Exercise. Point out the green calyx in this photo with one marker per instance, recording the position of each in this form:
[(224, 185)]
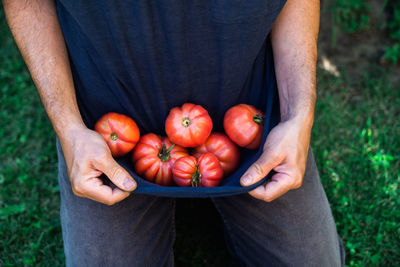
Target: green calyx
[(164, 153), (258, 118), (196, 177), (114, 136)]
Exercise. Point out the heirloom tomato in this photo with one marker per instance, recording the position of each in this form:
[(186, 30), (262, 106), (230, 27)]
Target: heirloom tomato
[(205, 171), (189, 125), (154, 157), (223, 148), (119, 131), (244, 125)]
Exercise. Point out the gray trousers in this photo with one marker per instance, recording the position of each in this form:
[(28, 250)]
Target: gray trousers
[(296, 229)]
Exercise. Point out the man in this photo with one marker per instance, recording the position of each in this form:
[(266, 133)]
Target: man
[(144, 57)]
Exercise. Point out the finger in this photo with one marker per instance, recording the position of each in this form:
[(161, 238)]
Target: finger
[(279, 184), (94, 189), (260, 168), (118, 175)]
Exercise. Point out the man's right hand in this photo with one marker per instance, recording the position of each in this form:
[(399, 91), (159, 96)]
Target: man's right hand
[(87, 157)]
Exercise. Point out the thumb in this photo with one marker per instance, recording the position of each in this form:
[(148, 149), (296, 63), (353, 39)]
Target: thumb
[(260, 168), (118, 175)]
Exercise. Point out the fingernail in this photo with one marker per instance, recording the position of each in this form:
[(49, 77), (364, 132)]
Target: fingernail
[(246, 180), (129, 184)]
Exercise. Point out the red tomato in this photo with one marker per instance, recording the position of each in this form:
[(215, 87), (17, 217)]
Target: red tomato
[(223, 148), (205, 171), (120, 132), (154, 157), (189, 125), (244, 125)]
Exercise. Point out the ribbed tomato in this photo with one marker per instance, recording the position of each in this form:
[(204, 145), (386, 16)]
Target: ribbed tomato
[(154, 157), (189, 125), (244, 124), (223, 148), (203, 172), (119, 131)]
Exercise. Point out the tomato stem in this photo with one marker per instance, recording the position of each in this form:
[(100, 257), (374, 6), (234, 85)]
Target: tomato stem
[(114, 136), (258, 118), (170, 148), (186, 121), (196, 178), (163, 153)]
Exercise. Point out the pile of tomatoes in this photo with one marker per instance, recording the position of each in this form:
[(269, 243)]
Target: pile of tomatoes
[(191, 154)]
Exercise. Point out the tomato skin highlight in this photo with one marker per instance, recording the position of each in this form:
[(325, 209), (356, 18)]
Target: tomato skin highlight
[(205, 171), (244, 124), (154, 158), (120, 132), (189, 125), (223, 148)]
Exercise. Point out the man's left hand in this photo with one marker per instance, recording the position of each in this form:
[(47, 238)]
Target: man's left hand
[(285, 151)]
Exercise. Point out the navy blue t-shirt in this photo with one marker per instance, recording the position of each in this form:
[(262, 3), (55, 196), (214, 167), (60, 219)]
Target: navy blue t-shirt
[(141, 58)]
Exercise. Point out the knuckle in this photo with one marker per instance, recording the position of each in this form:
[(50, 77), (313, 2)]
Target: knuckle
[(268, 146), (297, 181), (116, 175), (258, 168), (117, 172), (272, 150), (101, 156), (109, 202), (75, 193), (79, 166), (297, 184), (77, 187), (268, 198)]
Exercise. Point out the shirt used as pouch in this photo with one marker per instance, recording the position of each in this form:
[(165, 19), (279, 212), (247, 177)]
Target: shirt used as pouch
[(141, 58)]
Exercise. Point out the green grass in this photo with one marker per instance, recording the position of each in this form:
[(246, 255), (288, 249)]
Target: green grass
[(351, 15), (30, 231), (29, 218), (356, 141), (392, 53), (348, 16)]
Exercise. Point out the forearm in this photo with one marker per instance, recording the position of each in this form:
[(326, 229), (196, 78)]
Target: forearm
[(294, 41), (36, 30)]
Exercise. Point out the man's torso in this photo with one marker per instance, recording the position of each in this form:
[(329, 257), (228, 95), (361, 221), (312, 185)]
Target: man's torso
[(142, 58)]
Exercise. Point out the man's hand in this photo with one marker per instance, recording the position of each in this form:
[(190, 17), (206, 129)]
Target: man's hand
[(87, 157), (285, 152), (38, 35), (294, 42)]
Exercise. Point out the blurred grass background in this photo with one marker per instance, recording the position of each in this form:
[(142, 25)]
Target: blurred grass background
[(356, 142)]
